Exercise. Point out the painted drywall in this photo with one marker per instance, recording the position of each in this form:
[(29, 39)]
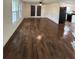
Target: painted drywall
[(52, 12), (8, 26), (70, 7), (73, 18), (27, 9), (73, 24)]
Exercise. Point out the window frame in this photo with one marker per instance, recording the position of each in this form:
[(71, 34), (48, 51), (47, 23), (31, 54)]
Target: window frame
[(17, 12)]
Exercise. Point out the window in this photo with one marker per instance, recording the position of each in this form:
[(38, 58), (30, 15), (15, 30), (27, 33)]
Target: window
[(16, 10)]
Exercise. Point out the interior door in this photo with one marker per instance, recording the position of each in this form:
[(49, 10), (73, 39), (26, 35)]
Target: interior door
[(62, 15), (32, 10), (38, 10)]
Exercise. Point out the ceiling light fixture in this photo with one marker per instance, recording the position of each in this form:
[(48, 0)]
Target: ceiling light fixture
[(40, 3)]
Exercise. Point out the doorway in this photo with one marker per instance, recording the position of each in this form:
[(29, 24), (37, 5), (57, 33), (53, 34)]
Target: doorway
[(35, 10), (32, 10), (62, 15), (38, 10)]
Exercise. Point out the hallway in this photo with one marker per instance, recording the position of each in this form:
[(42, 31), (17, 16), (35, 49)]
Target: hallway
[(39, 38)]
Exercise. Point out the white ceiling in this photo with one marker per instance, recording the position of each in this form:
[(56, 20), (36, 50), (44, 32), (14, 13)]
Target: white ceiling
[(44, 1), (67, 1), (49, 1)]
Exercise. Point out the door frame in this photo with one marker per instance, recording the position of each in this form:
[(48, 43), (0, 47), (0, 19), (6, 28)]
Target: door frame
[(35, 11), (64, 17)]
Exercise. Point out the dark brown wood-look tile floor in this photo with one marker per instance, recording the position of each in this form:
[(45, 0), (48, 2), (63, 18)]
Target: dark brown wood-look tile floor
[(39, 38)]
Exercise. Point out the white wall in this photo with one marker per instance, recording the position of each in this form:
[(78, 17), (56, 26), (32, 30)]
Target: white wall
[(52, 12), (70, 7), (27, 9), (8, 27)]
